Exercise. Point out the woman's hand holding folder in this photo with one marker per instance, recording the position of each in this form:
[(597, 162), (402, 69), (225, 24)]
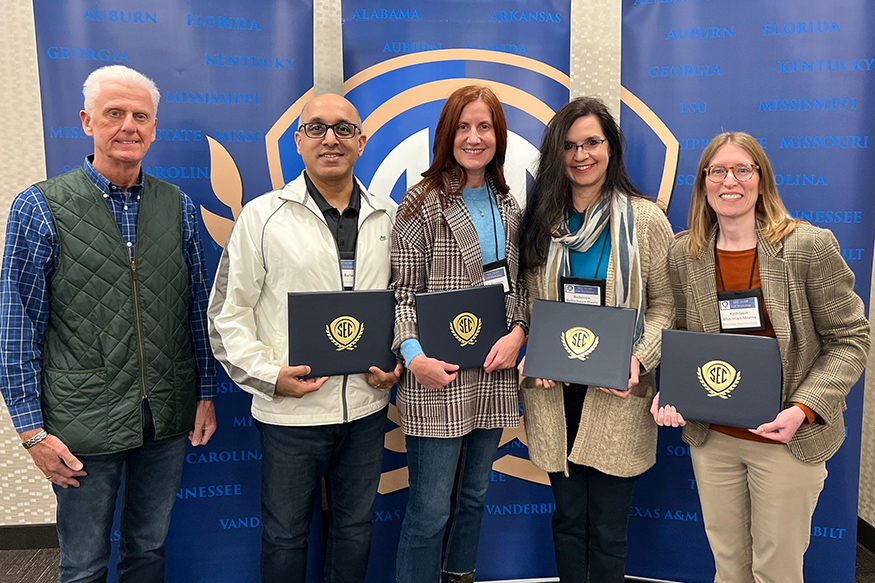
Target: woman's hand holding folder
[(666, 415)]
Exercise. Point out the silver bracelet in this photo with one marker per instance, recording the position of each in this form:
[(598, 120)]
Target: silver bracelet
[(35, 439)]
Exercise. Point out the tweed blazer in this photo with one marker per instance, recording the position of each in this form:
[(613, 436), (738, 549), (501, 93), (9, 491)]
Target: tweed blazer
[(616, 436), (822, 331), (438, 249)]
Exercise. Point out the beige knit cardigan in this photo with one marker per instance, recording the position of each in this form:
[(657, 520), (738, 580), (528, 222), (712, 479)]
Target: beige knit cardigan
[(616, 436)]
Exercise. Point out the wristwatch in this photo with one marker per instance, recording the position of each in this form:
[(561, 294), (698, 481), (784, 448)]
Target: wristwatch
[(522, 324)]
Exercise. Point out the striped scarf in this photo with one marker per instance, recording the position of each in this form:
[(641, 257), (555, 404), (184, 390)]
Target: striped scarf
[(615, 211)]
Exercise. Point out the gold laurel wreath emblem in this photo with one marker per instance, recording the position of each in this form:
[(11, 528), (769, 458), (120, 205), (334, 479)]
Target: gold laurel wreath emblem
[(579, 342), (228, 188), (345, 332), (465, 328), (719, 378)]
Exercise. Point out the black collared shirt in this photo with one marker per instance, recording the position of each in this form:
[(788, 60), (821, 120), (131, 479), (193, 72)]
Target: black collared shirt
[(343, 225)]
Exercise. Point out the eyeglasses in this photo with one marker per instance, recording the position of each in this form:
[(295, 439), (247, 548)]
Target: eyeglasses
[(588, 145), (342, 130), (742, 172)]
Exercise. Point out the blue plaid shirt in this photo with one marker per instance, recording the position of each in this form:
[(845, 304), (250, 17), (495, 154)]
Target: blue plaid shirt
[(30, 259)]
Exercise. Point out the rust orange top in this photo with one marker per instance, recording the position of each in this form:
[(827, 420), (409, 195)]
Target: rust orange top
[(735, 268)]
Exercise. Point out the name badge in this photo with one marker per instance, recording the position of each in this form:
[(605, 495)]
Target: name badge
[(741, 311), (581, 290), (347, 272), (496, 273)]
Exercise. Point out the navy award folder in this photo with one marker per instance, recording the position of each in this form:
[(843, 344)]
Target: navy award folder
[(728, 379), (461, 326), (579, 343), (337, 333)]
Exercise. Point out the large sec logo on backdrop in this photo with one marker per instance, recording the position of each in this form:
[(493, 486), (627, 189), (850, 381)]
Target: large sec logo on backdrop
[(399, 101)]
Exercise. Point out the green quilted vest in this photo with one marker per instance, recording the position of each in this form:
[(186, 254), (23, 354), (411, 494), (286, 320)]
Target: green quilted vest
[(118, 330)]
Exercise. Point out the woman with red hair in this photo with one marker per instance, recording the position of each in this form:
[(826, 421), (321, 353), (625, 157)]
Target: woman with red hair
[(458, 223)]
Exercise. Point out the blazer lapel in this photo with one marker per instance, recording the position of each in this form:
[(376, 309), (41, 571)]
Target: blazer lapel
[(774, 278), (511, 252), (704, 288), (462, 227)]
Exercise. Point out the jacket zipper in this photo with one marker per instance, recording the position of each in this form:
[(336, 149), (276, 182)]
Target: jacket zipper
[(343, 399), (356, 259), (136, 281), (135, 284), (343, 388)]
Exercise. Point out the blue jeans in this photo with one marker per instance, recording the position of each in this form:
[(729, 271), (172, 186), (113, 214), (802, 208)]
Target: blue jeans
[(448, 482), (294, 460), (152, 473)]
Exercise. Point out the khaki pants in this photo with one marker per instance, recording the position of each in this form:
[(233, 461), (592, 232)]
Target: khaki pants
[(757, 502)]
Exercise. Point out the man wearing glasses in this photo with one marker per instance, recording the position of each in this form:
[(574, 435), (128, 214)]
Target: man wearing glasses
[(321, 232)]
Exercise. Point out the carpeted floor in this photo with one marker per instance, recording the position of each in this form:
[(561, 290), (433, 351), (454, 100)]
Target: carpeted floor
[(29, 566), (41, 566), (865, 565)]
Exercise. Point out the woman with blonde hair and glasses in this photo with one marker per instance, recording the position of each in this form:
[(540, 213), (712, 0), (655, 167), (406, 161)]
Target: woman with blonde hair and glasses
[(585, 219), (759, 487)]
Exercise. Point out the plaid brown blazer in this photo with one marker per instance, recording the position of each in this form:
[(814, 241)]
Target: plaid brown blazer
[(436, 250), (822, 331)]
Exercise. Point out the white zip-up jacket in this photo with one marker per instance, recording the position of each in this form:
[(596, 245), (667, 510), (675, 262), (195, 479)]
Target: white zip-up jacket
[(281, 243)]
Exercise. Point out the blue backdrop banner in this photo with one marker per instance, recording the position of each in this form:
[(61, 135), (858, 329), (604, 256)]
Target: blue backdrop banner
[(400, 65), (796, 75), (227, 72), (235, 75)]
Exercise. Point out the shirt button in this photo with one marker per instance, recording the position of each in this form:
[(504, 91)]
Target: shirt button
[(130, 244), (105, 195), (126, 207)]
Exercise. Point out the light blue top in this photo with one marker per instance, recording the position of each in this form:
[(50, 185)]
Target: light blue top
[(487, 220), (483, 209)]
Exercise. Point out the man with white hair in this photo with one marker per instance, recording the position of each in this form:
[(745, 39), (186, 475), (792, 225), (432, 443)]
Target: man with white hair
[(106, 365)]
